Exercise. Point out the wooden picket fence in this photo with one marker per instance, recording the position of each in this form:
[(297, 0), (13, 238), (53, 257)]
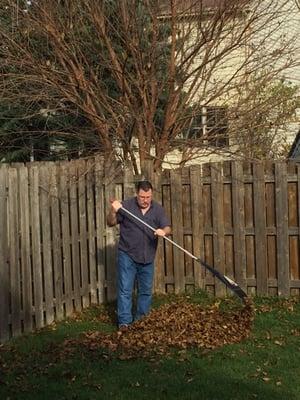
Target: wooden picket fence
[(57, 255)]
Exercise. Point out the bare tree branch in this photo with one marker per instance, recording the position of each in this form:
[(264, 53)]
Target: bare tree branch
[(140, 71)]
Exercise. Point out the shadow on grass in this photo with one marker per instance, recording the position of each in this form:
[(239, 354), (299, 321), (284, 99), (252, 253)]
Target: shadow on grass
[(42, 367), (94, 375)]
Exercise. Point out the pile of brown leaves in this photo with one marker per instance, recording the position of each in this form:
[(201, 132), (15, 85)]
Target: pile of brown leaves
[(176, 326)]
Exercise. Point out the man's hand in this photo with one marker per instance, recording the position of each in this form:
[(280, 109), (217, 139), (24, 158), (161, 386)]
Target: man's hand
[(162, 232), (116, 205), (111, 218)]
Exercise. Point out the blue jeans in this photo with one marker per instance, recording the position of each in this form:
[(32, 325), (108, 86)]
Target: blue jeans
[(128, 271)]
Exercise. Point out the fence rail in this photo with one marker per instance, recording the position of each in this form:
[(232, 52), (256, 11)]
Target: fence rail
[(57, 255)]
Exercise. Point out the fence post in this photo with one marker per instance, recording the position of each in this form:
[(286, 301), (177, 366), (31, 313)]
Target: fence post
[(218, 224), (75, 234), (177, 230), (110, 172), (25, 249), (4, 266), (56, 243), (100, 227), (91, 221), (14, 251), (82, 208), (260, 228), (197, 222), (46, 242), (36, 246), (66, 238), (129, 185), (159, 259), (282, 229), (238, 223)]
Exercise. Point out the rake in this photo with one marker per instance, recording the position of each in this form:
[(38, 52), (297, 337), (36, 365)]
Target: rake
[(233, 286)]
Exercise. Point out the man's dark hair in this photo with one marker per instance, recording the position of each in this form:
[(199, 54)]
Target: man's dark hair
[(143, 185)]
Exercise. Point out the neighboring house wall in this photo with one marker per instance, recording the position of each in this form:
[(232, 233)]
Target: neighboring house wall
[(223, 71), (289, 29), (210, 91), (283, 30), (293, 74)]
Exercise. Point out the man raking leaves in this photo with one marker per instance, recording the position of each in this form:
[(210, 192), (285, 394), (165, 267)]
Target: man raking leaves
[(135, 214), (136, 250)]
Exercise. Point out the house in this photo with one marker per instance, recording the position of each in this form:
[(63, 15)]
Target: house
[(294, 153), (261, 73), (209, 87)]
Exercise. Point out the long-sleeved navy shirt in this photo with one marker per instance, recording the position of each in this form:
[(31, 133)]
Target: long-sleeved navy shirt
[(138, 241)]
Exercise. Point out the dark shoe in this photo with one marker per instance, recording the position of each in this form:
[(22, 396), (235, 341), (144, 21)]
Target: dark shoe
[(123, 327)]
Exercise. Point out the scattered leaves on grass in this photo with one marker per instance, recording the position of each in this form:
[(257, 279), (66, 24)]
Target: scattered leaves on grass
[(266, 379), (295, 332), (279, 342), (283, 304), (102, 313), (178, 325)]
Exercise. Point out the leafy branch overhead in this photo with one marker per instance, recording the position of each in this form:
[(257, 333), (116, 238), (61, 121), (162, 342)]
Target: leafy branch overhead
[(127, 78)]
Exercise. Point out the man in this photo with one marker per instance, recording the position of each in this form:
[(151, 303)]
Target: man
[(136, 250)]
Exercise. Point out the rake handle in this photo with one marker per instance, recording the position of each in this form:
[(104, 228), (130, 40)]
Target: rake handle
[(223, 278)]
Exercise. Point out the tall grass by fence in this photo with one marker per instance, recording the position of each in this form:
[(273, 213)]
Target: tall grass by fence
[(57, 255)]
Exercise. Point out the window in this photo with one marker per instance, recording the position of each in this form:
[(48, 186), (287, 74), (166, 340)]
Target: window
[(211, 126)]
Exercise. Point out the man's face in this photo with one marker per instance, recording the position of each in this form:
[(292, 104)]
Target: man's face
[(144, 198)]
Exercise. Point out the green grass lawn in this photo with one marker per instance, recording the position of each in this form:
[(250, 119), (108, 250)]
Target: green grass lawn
[(265, 366)]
